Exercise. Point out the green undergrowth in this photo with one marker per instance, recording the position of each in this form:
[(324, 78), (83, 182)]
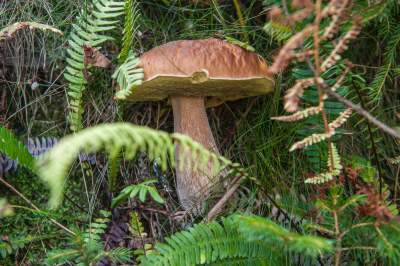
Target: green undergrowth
[(274, 186)]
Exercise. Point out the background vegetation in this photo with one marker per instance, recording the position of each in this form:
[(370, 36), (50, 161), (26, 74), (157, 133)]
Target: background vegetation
[(118, 203)]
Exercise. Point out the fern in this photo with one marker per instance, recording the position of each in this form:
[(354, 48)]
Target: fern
[(90, 30), (140, 190), (87, 248), (14, 149), (328, 176), (278, 32), (128, 75), (377, 85), (258, 228), (237, 240), (135, 225), (309, 83), (132, 16), (13, 243), (54, 165), (312, 124)]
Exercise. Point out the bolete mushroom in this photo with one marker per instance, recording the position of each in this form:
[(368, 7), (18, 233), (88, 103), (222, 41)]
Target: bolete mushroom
[(190, 72)]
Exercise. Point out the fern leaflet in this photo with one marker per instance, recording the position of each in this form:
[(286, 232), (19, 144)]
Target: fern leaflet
[(238, 239), (141, 190), (89, 30), (128, 75), (132, 16), (328, 176), (14, 149)]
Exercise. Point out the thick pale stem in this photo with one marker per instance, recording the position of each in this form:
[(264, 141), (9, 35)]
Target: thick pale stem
[(190, 118)]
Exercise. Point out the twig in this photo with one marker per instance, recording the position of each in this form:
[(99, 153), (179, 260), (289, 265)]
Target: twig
[(34, 206), (317, 75), (220, 204), (358, 109)]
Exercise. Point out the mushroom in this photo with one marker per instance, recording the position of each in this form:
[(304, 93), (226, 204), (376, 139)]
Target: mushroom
[(187, 72)]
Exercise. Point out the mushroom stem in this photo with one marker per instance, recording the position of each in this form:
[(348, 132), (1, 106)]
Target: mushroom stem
[(190, 118)]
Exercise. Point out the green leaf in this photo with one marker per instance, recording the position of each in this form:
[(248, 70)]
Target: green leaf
[(14, 149), (154, 194)]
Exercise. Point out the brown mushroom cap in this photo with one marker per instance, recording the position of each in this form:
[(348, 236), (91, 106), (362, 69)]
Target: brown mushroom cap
[(209, 67)]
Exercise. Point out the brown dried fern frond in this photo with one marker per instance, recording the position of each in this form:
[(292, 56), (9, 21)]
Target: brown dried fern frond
[(336, 168), (299, 15), (342, 45), (395, 160), (341, 119), (310, 140), (330, 9), (11, 30), (333, 27), (299, 115), (292, 97), (287, 52), (339, 81), (302, 56), (302, 4)]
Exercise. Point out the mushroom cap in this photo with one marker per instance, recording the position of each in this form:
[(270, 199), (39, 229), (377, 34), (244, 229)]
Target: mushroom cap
[(208, 68)]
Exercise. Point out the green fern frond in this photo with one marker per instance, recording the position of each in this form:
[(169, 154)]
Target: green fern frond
[(87, 247), (13, 148), (261, 229), (242, 262), (277, 31), (118, 255), (204, 244), (132, 15), (96, 228), (135, 225), (90, 29), (128, 75), (378, 84), (141, 190), (238, 240), (131, 139)]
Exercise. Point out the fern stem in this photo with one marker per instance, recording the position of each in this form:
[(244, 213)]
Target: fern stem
[(317, 76), (339, 236), (220, 204)]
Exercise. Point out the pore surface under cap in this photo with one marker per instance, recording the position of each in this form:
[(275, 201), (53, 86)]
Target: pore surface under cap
[(209, 67)]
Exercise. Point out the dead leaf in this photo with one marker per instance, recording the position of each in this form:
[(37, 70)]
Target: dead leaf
[(94, 57)]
